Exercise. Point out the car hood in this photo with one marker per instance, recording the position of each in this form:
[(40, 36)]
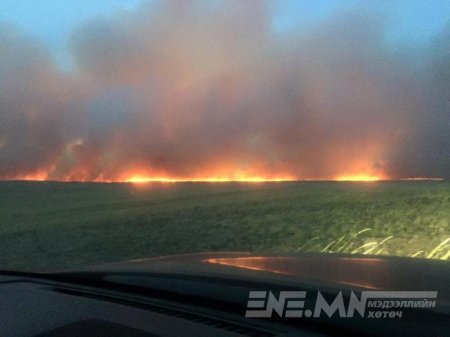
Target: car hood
[(323, 270), (225, 279)]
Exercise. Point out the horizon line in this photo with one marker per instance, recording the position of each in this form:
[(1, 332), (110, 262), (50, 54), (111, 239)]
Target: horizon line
[(175, 181)]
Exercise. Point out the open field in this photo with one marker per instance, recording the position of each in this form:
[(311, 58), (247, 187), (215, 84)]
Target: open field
[(62, 225)]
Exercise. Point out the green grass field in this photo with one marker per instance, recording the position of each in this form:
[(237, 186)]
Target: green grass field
[(46, 226)]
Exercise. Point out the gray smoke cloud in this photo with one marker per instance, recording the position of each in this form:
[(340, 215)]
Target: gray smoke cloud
[(193, 91)]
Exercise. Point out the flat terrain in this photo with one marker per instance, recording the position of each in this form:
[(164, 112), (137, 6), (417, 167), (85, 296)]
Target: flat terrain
[(47, 225)]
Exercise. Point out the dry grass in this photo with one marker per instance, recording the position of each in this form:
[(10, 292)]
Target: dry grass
[(53, 226)]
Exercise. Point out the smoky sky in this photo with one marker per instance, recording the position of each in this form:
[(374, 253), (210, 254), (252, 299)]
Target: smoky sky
[(185, 90)]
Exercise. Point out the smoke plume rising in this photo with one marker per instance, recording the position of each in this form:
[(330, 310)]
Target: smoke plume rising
[(187, 91)]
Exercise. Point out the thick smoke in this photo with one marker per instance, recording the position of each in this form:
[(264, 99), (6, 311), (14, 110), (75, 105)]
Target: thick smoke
[(193, 91)]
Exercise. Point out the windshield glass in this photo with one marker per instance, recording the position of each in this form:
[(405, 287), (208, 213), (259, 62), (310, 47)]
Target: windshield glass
[(135, 129)]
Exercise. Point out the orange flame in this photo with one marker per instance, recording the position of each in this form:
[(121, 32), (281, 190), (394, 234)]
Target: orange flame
[(224, 171), (137, 179), (140, 176), (37, 176)]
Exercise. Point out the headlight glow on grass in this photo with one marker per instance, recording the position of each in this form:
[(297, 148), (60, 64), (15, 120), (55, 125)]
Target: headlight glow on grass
[(352, 245)]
